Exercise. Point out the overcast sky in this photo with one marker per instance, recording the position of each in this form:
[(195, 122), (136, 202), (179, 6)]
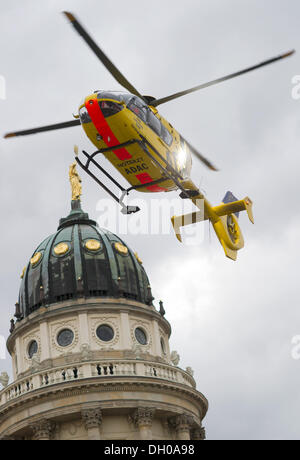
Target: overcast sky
[(232, 322)]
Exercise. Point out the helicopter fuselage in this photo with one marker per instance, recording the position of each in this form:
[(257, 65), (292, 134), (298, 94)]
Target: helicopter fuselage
[(110, 119)]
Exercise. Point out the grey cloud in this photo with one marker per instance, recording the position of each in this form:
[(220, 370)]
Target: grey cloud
[(231, 322)]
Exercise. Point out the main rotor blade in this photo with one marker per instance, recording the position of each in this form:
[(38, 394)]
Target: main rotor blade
[(220, 80), (67, 124), (199, 155), (103, 58)]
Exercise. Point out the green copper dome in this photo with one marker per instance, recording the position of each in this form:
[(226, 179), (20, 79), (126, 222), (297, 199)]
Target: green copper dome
[(81, 260)]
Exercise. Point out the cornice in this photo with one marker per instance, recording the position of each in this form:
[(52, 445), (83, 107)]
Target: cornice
[(71, 389)]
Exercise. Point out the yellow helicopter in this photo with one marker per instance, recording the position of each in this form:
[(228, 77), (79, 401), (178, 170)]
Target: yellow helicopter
[(149, 153)]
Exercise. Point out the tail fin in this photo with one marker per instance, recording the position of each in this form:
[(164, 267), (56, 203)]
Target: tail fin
[(230, 198), (232, 205)]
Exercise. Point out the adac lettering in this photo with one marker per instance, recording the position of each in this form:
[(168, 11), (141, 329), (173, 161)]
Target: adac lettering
[(136, 169)]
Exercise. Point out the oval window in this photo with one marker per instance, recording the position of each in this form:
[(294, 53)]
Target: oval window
[(140, 336), (105, 333), (65, 337), (32, 349)]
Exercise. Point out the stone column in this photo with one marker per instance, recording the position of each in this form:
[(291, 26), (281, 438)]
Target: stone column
[(92, 419), (84, 328), (143, 417), (45, 342), (182, 424), (42, 430), (125, 327), (156, 339), (198, 434), (19, 368)]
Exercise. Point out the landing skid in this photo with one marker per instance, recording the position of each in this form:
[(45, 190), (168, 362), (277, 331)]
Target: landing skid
[(167, 170), (90, 159)]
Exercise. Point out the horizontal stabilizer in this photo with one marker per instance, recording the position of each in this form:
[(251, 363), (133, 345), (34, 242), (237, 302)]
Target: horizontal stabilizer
[(235, 207)]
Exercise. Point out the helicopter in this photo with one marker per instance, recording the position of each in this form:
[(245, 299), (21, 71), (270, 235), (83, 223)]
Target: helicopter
[(127, 129)]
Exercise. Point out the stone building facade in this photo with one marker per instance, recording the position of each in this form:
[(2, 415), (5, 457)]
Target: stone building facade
[(90, 352)]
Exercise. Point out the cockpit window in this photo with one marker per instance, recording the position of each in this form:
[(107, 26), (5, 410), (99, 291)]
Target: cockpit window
[(115, 96), (84, 116), (109, 108)]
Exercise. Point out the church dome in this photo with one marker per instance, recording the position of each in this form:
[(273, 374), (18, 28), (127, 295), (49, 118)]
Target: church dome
[(81, 260)]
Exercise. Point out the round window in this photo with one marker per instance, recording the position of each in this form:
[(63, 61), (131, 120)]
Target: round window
[(65, 337), (105, 333), (140, 336), (163, 346), (32, 349)]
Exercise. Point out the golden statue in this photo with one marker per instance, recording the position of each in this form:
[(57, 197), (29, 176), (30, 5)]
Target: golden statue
[(75, 182)]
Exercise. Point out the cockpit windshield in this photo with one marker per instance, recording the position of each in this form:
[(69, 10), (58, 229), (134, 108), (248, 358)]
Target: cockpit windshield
[(115, 96), (109, 108)]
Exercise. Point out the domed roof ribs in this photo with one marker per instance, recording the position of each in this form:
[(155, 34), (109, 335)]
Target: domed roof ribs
[(97, 276), (138, 276), (112, 260), (46, 269), (137, 273), (23, 294), (124, 277), (77, 261), (62, 278), (35, 294), (83, 283)]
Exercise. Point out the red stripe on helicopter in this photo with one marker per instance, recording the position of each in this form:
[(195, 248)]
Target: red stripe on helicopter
[(144, 178), (110, 139), (104, 130)]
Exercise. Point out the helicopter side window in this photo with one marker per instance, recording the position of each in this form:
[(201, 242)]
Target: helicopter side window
[(137, 106), (84, 116), (166, 136), (139, 110), (109, 108), (154, 123)]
